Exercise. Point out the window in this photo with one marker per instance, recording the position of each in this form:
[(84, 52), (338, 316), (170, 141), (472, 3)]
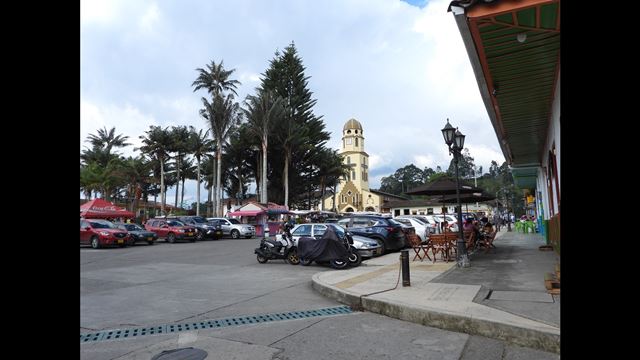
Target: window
[(348, 159), (353, 174), (356, 140), (349, 141), (406, 212), (319, 230), (302, 230), (396, 212)]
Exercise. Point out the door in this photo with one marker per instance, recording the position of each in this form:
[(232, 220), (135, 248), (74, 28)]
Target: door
[(226, 226), (85, 235)]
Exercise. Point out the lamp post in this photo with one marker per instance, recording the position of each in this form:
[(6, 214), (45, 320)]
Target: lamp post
[(455, 141)]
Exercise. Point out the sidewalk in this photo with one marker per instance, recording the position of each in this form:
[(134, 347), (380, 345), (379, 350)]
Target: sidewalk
[(501, 295)]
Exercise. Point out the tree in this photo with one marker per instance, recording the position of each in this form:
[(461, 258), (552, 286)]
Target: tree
[(223, 115), (199, 146), (261, 111), (402, 180), (216, 79), (179, 145), (222, 112), (330, 169), (156, 142), (465, 165), (106, 140), (299, 132)]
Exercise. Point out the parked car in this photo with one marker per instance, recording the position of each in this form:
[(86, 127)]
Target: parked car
[(452, 223), (98, 233), (206, 229), (235, 228), (171, 229), (366, 247), (387, 230), (420, 227), (428, 220), (138, 233)]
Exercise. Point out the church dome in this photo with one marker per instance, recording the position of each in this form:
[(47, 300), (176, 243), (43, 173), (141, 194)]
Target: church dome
[(352, 124)]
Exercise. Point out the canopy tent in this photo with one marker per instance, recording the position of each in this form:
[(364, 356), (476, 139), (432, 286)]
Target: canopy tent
[(102, 209), (245, 213)]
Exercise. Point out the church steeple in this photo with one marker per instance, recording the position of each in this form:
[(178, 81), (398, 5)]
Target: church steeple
[(354, 154)]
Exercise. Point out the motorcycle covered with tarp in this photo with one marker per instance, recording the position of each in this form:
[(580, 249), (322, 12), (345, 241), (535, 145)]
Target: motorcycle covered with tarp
[(334, 247)]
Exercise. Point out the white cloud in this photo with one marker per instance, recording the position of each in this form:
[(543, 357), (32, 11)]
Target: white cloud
[(399, 69), (127, 120), (149, 19)]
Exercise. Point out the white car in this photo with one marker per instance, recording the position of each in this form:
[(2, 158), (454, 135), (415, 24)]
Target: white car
[(421, 227), (366, 247)]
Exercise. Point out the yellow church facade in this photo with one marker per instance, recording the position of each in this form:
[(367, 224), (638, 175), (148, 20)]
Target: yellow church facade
[(353, 191)]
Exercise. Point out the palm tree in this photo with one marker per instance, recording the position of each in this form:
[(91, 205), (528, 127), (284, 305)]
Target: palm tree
[(137, 171), (106, 140), (222, 115), (290, 134), (215, 80), (180, 138), (199, 146), (261, 111), (187, 171), (156, 143)]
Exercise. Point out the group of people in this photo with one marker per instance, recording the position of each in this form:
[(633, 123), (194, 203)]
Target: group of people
[(480, 228)]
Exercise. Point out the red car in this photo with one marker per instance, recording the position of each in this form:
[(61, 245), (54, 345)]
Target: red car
[(171, 230), (97, 233)]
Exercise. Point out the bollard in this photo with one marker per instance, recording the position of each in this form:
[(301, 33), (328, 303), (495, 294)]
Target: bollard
[(404, 259)]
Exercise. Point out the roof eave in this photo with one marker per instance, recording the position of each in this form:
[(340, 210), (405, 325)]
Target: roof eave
[(478, 71)]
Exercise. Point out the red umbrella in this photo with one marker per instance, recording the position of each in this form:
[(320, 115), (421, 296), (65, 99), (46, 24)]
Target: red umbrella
[(102, 209)]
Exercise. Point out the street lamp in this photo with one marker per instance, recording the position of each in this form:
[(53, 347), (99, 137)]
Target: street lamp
[(455, 141)]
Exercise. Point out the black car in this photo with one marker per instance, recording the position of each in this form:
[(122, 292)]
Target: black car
[(138, 233), (206, 229), (388, 231)]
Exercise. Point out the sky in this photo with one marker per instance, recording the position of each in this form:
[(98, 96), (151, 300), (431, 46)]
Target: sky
[(399, 67)]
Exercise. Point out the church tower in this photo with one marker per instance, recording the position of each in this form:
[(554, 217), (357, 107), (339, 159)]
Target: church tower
[(355, 156)]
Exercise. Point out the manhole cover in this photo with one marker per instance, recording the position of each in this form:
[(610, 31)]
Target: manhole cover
[(181, 354)]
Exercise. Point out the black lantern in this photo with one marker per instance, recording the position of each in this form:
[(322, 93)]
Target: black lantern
[(448, 132), (455, 141)]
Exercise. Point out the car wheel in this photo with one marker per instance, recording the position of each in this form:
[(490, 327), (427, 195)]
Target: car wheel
[(200, 236), (171, 238), (305, 262), (150, 242), (235, 234), (383, 247), (95, 242)]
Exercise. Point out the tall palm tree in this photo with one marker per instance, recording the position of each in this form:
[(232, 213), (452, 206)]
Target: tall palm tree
[(156, 143), (179, 145), (187, 171), (106, 140), (223, 115), (199, 146), (215, 79), (136, 171), (261, 111), (291, 134)]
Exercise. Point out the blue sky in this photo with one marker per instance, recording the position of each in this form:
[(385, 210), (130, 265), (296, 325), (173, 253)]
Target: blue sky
[(398, 67)]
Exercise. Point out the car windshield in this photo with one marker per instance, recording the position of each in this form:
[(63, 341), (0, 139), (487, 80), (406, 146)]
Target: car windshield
[(174, 223), (234, 221), (102, 225), (132, 227), (393, 222), (199, 220)]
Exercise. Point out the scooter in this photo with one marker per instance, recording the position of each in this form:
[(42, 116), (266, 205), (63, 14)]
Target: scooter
[(282, 248)]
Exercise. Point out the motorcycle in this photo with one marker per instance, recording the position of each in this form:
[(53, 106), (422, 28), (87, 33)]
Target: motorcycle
[(281, 248), (335, 247)]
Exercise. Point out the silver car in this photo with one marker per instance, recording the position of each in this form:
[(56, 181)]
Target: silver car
[(235, 228), (366, 247)]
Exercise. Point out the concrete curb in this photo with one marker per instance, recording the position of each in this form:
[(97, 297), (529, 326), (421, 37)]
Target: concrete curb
[(520, 336)]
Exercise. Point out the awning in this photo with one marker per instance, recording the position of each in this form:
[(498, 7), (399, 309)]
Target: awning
[(245, 213)]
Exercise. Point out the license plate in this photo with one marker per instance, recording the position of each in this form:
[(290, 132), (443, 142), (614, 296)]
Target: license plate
[(150, 238), (219, 232), (189, 234), (120, 241)]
